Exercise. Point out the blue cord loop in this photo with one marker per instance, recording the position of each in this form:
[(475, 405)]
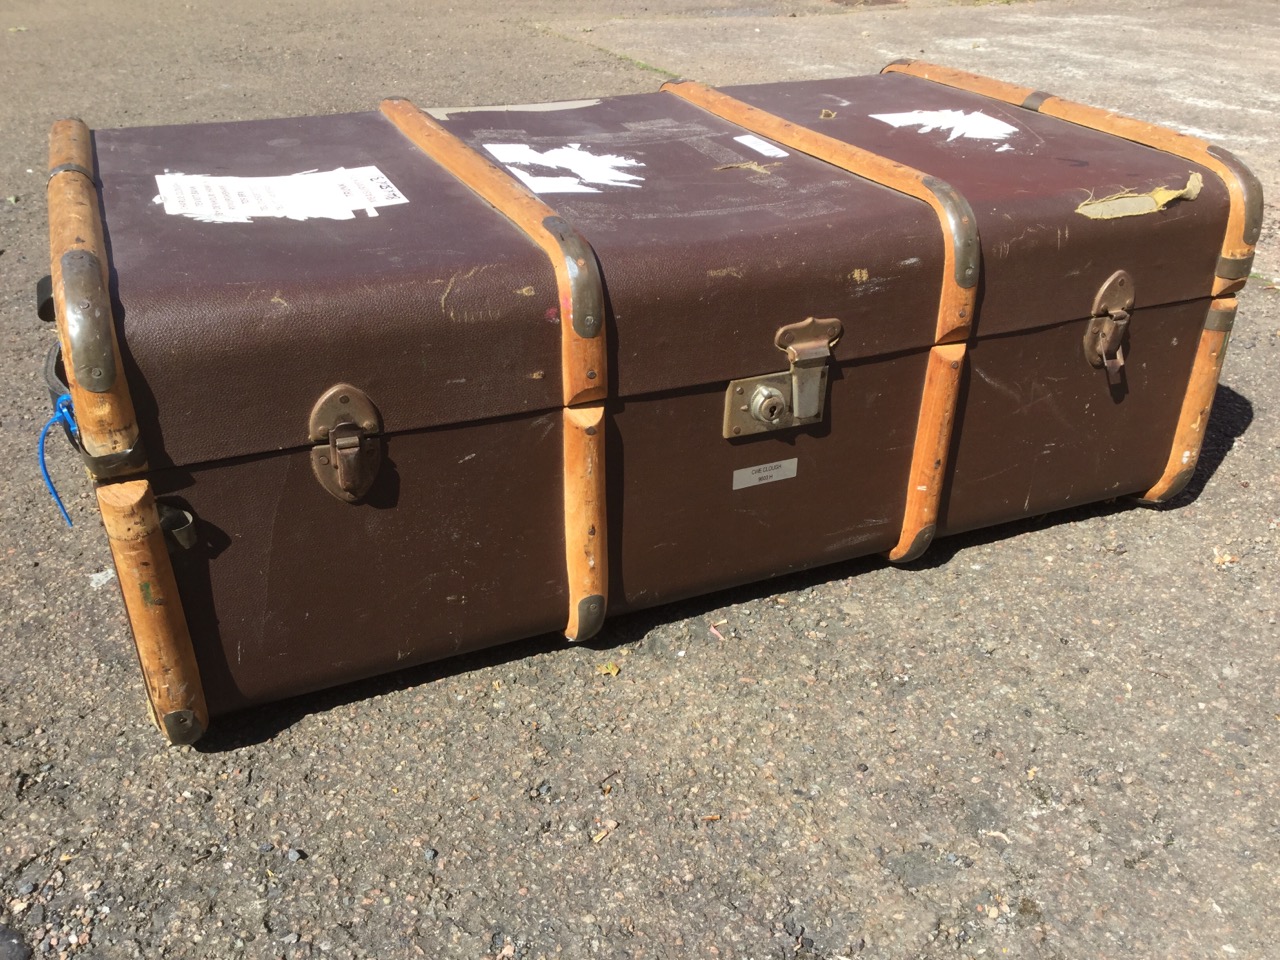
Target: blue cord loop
[(65, 415)]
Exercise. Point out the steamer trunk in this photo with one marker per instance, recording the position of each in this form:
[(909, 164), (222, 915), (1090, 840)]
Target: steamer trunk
[(365, 391)]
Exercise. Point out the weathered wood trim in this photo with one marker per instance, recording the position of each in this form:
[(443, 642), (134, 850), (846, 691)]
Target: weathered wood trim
[(585, 521), (108, 427), (1197, 403), (150, 591), (938, 404)]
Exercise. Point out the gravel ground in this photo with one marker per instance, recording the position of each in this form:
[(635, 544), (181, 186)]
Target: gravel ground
[(1055, 739)]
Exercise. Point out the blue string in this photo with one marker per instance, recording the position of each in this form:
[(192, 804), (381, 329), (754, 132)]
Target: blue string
[(62, 413)]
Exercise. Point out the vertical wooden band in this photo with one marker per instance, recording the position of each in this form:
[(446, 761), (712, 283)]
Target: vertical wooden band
[(150, 592), (1244, 221), (586, 554), (1197, 402), (929, 454), (584, 362), (961, 255), (108, 427), (961, 270)]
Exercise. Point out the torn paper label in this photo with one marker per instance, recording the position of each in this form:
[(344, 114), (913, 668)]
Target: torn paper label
[(1130, 204), (973, 126), (760, 145), (589, 171), (330, 195)]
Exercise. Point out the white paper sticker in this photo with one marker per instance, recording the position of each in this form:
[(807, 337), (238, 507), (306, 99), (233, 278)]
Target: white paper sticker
[(605, 170), (974, 126), (765, 473), (330, 195), (760, 145)]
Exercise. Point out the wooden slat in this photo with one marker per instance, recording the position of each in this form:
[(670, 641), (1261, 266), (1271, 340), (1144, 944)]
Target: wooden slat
[(150, 591), (586, 545), (929, 455), (956, 303), (106, 420), (583, 363), (1197, 404)]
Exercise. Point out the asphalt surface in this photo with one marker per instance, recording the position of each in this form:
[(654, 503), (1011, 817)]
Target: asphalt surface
[(1054, 739)]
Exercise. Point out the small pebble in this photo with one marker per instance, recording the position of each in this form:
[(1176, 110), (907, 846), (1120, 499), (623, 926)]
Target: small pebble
[(294, 855), (25, 889), (430, 853)]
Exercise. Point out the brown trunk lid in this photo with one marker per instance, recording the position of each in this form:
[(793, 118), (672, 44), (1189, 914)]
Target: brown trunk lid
[(441, 310)]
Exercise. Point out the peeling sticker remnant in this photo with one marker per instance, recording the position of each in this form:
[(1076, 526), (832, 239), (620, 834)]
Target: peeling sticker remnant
[(329, 195), (760, 145), (974, 126), (587, 168), (1130, 204)]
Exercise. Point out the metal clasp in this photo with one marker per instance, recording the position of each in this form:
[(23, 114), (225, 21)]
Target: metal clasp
[(345, 426), (792, 398), (1105, 336)]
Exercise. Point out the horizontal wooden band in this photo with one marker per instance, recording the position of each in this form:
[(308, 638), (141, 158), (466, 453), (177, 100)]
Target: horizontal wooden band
[(1244, 221), (108, 426), (584, 365), (1197, 403), (959, 230), (929, 455), (585, 520), (151, 599)]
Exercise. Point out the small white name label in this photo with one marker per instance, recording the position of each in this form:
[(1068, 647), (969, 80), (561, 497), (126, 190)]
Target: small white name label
[(765, 473)]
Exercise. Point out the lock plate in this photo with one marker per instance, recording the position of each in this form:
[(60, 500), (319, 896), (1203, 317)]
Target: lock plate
[(1104, 338), (345, 427), (789, 398)]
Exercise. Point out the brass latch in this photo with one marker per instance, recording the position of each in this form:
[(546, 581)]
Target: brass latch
[(791, 398), (345, 426), (1104, 339)]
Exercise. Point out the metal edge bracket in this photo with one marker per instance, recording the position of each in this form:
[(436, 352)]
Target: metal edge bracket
[(591, 613), (1221, 320), (586, 287), (964, 231), (1105, 335), (1036, 99), (70, 168), (791, 398), (113, 465), (1251, 188), (89, 321), (182, 727)]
